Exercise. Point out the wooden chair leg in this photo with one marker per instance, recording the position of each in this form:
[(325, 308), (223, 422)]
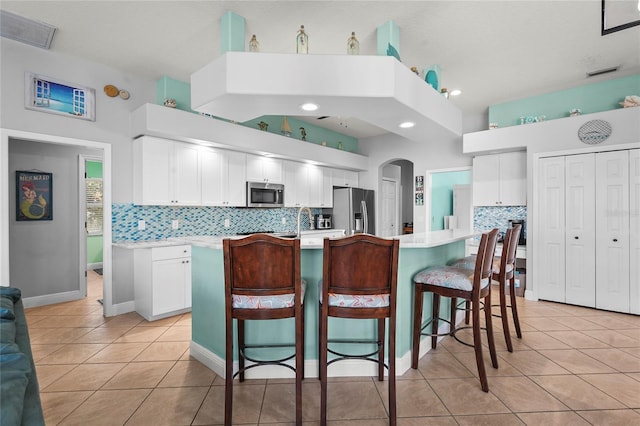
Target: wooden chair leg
[(503, 314), (323, 366), (477, 344), (467, 312), (241, 349), (417, 325), (228, 389), (381, 334), (392, 372), (302, 348), (514, 308), (454, 311), (489, 327), (434, 324)]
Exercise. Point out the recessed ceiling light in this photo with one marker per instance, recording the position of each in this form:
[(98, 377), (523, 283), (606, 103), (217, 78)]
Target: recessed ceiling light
[(406, 125), (455, 92), (309, 107)]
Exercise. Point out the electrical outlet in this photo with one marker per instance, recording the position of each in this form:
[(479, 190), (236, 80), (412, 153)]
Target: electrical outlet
[(284, 220), (227, 223), (175, 224), (141, 225)]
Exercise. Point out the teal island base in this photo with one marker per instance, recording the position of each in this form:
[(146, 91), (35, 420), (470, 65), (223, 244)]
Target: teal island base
[(208, 311)]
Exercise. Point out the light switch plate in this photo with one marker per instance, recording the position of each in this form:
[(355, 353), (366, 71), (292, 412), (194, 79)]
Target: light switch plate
[(175, 224), (227, 223), (141, 225)]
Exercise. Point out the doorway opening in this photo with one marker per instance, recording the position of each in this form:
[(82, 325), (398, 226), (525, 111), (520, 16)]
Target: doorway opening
[(396, 197), (91, 224)]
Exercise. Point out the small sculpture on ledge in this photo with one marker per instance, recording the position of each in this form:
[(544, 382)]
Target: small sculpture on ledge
[(285, 129), (254, 45), (303, 134), (630, 101), (353, 45), (263, 126)]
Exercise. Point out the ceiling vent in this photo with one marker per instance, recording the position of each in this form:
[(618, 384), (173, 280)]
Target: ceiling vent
[(603, 71), (24, 30)]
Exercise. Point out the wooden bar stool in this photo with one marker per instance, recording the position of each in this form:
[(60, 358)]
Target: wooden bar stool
[(457, 283), (262, 282), (359, 280), (504, 272)]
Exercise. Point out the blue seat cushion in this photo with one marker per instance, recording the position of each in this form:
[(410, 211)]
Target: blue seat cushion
[(449, 277)]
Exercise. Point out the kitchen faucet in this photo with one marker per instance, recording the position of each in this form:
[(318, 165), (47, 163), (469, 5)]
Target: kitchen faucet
[(310, 218)]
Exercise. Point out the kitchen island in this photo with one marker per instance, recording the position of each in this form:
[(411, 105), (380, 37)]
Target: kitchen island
[(417, 251)]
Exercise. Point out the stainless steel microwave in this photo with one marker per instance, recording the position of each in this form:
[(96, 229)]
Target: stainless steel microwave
[(263, 194)]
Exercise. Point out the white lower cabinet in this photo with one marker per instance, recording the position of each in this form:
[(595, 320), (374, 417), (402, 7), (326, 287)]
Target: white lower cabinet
[(588, 227), (162, 281)]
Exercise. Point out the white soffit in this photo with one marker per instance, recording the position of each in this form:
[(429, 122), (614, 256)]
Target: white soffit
[(241, 86)]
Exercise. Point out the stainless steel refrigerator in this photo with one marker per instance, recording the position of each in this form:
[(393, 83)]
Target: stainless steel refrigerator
[(354, 210)]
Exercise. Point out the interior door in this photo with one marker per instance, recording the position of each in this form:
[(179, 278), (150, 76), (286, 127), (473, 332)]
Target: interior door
[(552, 221), (612, 231), (634, 230), (580, 230), (389, 216)]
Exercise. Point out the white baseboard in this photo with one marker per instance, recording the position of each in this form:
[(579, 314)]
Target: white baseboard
[(346, 368), (92, 266), (123, 308), (528, 294), (48, 299)]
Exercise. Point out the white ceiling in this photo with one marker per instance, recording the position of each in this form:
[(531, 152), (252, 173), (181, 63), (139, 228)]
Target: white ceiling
[(495, 51)]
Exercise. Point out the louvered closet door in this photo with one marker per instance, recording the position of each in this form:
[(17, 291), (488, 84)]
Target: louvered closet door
[(552, 236), (580, 230), (634, 230), (612, 231)]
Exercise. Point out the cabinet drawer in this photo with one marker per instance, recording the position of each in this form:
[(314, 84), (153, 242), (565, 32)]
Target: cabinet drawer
[(172, 252)]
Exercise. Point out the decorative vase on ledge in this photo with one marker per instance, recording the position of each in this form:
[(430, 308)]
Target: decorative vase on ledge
[(302, 41)]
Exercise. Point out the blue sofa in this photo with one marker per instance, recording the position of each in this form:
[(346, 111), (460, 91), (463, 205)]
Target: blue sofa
[(19, 392)]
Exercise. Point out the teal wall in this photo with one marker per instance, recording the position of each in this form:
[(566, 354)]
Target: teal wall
[(597, 97), (169, 88), (94, 242), (315, 134), (442, 195)]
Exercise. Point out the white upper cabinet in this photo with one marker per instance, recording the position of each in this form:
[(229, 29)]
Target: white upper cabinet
[(223, 178), (165, 172), (320, 187), (342, 177), (296, 184), (264, 169), (500, 180)]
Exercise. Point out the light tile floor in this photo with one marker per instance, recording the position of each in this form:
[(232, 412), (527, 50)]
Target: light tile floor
[(573, 366)]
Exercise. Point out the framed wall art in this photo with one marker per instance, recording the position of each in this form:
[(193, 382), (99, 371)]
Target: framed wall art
[(618, 15), (34, 196), (46, 94)]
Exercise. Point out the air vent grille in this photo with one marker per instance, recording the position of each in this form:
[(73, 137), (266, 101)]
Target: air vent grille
[(24, 30)]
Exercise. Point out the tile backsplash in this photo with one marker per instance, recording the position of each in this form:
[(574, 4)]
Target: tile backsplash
[(199, 221), (487, 218)]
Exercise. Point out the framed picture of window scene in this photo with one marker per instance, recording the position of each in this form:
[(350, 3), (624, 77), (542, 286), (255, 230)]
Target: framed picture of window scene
[(34, 196), (46, 94), (618, 15)]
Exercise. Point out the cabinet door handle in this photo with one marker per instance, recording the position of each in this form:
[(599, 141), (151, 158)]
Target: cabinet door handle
[(576, 238), (615, 240)]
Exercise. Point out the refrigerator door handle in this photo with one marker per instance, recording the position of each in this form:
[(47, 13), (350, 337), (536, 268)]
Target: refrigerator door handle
[(366, 217)]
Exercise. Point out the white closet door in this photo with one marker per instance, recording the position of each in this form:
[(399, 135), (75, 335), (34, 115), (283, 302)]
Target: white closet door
[(634, 230), (552, 221), (612, 231), (580, 230)]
